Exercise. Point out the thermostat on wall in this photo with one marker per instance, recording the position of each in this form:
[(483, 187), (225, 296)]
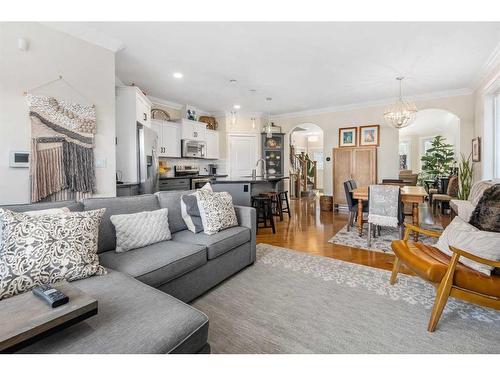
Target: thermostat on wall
[(19, 159)]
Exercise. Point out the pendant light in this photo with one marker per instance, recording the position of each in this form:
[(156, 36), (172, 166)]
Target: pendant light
[(403, 112), (269, 129)]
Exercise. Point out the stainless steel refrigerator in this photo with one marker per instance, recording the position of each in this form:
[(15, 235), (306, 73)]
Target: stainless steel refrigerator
[(147, 142)]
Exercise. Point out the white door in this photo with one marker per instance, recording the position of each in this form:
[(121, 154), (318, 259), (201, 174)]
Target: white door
[(242, 155)]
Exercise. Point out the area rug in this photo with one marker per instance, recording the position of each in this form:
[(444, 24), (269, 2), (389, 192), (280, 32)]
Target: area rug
[(292, 302), (380, 243)]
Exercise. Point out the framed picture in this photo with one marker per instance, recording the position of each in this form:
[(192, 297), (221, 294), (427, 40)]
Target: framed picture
[(476, 149), (348, 137), (369, 135)]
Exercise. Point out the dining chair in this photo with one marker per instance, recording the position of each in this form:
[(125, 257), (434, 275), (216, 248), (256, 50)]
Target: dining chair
[(384, 209), (349, 186)]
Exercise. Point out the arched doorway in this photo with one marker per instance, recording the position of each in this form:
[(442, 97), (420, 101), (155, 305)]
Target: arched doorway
[(306, 159), (415, 139)]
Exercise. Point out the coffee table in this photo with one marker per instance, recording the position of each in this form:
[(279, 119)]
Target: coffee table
[(25, 318)]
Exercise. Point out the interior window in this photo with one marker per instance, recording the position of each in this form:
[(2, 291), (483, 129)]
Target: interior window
[(404, 155), (496, 134), (317, 156)]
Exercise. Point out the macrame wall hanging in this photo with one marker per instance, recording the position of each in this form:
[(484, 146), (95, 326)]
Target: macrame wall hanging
[(62, 155)]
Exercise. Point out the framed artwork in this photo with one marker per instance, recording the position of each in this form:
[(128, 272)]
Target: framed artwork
[(476, 149), (348, 137), (369, 135)]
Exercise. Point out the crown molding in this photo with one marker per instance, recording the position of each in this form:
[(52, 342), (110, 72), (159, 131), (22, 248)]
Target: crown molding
[(375, 103), (488, 68), (87, 34), (238, 113)]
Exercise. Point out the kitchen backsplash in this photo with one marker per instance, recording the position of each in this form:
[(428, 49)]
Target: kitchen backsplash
[(200, 163)]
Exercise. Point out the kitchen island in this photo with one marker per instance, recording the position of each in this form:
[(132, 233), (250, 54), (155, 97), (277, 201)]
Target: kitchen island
[(242, 189)]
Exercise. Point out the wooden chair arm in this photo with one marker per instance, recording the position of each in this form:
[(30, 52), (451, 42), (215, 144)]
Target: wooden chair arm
[(413, 228), (475, 258)]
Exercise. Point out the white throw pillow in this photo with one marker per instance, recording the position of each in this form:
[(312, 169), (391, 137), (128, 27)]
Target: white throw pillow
[(140, 229), (464, 236), (193, 224), (216, 211)]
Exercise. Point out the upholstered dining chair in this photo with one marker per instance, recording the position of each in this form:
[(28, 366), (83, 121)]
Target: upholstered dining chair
[(384, 209), (349, 186)]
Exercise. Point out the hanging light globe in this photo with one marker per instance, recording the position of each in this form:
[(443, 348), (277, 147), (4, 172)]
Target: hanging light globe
[(403, 112)]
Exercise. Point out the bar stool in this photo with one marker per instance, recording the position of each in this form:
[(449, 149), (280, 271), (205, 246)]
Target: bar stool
[(284, 204), (263, 206), (275, 203)]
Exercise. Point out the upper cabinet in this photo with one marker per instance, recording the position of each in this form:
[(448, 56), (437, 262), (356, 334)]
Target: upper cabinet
[(132, 108), (143, 110), (193, 130), (131, 99), (169, 138), (212, 139)]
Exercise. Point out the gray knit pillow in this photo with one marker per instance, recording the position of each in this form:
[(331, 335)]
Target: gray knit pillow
[(46, 249), (140, 229)]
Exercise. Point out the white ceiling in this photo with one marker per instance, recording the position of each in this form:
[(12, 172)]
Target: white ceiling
[(302, 66)]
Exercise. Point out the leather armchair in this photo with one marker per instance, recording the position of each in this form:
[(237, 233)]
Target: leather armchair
[(450, 277)]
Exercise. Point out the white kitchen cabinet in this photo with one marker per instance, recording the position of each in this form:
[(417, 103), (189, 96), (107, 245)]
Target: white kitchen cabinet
[(143, 110), (193, 130), (212, 139), (169, 138), (132, 109)]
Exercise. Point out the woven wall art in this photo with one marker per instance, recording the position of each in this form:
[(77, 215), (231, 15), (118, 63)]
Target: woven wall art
[(62, 155)]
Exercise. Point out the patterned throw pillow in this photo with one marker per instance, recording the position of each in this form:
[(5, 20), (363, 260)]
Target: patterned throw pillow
[(140, 229), (216, 210), (46, 249)]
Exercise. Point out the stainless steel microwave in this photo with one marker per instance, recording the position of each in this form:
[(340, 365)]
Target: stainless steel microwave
[(193, 149)]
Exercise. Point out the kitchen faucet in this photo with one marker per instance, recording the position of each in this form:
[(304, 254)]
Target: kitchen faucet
[(264, 170)]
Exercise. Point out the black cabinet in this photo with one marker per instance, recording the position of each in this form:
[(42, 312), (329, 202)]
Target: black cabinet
[(175, 184), (273, 152)]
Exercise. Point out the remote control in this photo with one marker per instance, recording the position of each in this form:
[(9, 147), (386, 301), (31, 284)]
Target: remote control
[(51, 295)]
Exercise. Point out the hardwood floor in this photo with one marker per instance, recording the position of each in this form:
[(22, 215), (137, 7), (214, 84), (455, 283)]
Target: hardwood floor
[(309, 230)]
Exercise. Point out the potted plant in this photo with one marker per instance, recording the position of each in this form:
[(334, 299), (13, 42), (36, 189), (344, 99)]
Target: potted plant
[(438, 161), (464, 177)]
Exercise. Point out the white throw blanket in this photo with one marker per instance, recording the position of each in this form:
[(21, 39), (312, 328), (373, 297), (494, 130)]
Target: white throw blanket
[(383, 205)]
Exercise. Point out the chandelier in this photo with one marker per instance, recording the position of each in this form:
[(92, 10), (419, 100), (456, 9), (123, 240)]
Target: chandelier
[(403, 112)]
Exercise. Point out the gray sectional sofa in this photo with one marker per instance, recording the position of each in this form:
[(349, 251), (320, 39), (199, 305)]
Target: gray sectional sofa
[(142, 300)]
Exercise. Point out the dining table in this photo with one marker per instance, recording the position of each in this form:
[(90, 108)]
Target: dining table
[(413, 195)]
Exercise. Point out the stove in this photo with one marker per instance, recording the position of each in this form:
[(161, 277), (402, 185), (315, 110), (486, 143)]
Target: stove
[(186, 171)]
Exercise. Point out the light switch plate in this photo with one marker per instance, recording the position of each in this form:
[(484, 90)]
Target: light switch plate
[(100, 163)]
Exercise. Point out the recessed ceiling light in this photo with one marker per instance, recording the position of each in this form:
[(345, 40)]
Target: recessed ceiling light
[(233, 81), (178, 75), (252, 90), (236, 106)]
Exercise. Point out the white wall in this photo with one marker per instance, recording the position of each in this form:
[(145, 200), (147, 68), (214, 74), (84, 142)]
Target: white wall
[(89, 68), (388, 153), (484, 121)]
